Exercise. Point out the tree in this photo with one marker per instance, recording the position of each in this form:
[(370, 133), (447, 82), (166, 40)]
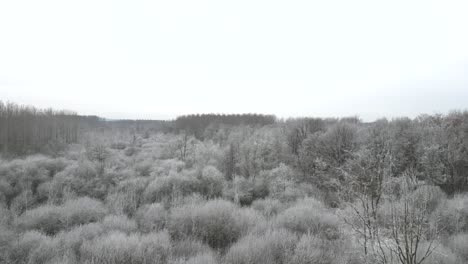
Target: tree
[(456, 131), (366, 175), (338, 143), (405, 146), (230, 162), (300, 130), (412, 236), (99, 153), (185, 145), (444, 147), (397, 227)]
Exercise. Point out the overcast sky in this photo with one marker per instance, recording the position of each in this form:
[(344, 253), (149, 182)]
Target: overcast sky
[(158, 59)]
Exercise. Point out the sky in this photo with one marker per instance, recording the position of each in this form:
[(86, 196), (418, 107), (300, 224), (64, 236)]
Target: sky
[(150, 59)]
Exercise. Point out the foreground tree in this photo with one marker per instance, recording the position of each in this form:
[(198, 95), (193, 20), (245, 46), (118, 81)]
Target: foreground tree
[(366, 175), (412, 236), (391, 218)]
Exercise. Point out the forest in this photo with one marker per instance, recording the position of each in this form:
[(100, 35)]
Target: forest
[(232, 189)]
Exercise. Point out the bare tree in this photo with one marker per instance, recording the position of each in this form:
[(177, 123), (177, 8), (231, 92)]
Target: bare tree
[(230, 161), (366, 174), (367, 181), (412, 236), (100, 154), (184, 145), (301, 129)]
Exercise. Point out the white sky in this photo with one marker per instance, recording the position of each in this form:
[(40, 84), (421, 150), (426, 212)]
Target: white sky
[(157, 59)]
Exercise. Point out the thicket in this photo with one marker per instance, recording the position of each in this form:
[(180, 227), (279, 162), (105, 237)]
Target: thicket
[(258, 190)]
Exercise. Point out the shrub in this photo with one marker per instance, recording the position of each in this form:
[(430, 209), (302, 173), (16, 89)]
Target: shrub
[(22, 202), (22, 177), (52, 166), (6, 192), (193, 199), (299, 191), (7, 236), (44, 191), (82, 211), (47, 250), (188, 248), (280, 179), (20, 251), (459, 245), (311, 249), (63, 260), (50, 218), (208, 153), (128, 196), (202, 259), (69, 243), (271, 248), (440, 255), (429, 197), (130, 151), (164, 167), (151, 217), (82, 179), (211, 182), (119, 223), (55, 190), (155, 247), (250, 220), (47, 219), (144, 168), (5, 215), (216, 223), (119, 248), (118, 145), (240, 191), (168, 188), (453, 215), (244, 191), (268, 207), (198, 259), (310, 216)]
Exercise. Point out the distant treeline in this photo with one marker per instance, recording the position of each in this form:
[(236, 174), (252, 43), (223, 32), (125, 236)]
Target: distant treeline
[(196, 124), (141, 126), (25, 129)]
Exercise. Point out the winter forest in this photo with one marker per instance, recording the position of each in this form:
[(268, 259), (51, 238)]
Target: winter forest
[(232, 189)]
